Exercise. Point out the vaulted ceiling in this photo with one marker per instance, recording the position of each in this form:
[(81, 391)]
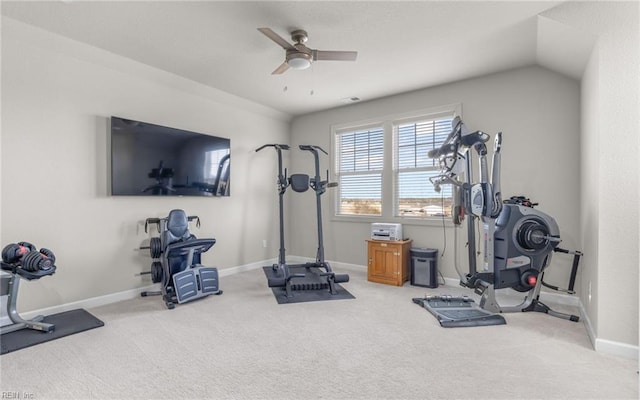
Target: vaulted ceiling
[(402, 46)]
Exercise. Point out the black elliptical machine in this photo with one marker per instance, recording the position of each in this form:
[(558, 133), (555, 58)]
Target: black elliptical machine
[(316, 275)]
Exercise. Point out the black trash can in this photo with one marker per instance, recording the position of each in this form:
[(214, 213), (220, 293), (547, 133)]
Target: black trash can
[(424, 267)]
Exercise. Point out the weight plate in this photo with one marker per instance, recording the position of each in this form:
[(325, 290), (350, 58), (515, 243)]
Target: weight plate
[(156, 272), (49, 254), (155, 247)]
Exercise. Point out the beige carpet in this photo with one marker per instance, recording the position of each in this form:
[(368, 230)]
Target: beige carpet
[(243, 345)]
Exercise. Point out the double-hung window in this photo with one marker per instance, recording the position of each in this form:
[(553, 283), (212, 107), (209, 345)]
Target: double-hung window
[(359, 168), (414, 195), (383, 168)]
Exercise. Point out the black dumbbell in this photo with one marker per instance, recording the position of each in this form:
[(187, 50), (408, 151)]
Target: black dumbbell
[(14, 252), (42, 260)]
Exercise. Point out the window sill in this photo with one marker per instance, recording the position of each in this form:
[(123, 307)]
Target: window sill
[(369, 219)]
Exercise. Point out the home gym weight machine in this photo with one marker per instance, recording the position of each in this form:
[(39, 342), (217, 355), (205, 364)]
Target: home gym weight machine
[(316, 275), (518, 239), (22, 261), (181, 276)]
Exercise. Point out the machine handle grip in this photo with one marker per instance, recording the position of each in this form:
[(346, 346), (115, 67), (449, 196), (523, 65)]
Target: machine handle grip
[(151, 221), (192, 217), (442, 150), (277, 146), (312, 147)]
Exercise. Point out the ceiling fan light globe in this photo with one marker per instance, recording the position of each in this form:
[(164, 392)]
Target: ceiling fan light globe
[(299, 62)]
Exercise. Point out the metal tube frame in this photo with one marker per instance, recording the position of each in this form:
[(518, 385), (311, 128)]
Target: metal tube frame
[(19, 322)]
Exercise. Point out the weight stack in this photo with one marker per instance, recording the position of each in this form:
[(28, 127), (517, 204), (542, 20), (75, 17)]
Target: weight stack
[(424, 267)]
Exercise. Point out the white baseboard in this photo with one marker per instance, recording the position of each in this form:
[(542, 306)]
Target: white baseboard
[(554, 298), (600, 345), (91, 302), (245, 267), (340, 265), (607, 346), (116, 297), (616, 348)]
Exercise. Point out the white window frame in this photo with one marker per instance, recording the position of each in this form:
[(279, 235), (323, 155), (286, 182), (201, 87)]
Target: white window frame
[(336, 174), (397, 170), (388, 175)]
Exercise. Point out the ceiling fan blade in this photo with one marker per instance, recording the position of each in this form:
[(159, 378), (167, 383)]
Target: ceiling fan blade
[(276, 38), (321, 55), (281, 68)]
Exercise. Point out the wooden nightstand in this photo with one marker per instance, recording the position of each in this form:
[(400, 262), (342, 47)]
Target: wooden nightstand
[(388, 261)]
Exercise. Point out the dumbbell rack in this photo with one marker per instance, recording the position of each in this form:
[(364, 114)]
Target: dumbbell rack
[(10, 286)]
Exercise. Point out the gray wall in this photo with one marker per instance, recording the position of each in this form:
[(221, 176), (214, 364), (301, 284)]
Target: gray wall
[(536, 109), (57, 97)]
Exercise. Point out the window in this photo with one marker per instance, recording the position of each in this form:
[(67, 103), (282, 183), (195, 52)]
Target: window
[(359, 169), (414, 195), (393, 182)]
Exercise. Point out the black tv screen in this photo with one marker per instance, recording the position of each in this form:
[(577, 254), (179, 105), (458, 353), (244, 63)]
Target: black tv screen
[(154, 160)]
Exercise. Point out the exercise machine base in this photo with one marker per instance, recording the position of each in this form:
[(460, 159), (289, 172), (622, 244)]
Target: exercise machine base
[(453, 312), (309, 284)]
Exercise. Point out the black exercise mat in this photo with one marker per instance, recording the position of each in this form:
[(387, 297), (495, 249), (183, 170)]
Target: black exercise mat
[(302, 296), (67, 323)]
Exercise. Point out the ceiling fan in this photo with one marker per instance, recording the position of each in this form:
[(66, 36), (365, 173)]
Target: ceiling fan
[(299, 56)]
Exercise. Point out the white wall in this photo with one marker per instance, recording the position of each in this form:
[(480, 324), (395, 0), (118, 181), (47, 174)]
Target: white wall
[(57, 97), (618, 179), (536, 109), (589, 187), (609, 196)]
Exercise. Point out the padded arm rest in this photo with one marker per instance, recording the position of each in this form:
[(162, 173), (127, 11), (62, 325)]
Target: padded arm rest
[(183, 248)]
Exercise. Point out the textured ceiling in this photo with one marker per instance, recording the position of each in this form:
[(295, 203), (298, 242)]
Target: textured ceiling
[(402, 46)]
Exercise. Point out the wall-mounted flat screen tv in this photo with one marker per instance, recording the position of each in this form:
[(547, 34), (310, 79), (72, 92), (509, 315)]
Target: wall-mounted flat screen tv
[(154, 160)]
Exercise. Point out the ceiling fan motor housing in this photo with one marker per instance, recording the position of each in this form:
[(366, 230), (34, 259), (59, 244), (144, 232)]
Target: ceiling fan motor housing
[(299, 36)]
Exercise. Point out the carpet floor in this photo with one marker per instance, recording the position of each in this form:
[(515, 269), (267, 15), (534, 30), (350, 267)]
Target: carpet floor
[(243, 345)]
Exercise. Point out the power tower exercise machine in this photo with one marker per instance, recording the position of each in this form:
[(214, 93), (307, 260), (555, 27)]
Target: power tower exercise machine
[(316, 275), (518, 239)]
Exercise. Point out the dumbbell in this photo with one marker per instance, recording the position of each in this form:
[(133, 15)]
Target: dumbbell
[(42, 260), (13, 253)]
